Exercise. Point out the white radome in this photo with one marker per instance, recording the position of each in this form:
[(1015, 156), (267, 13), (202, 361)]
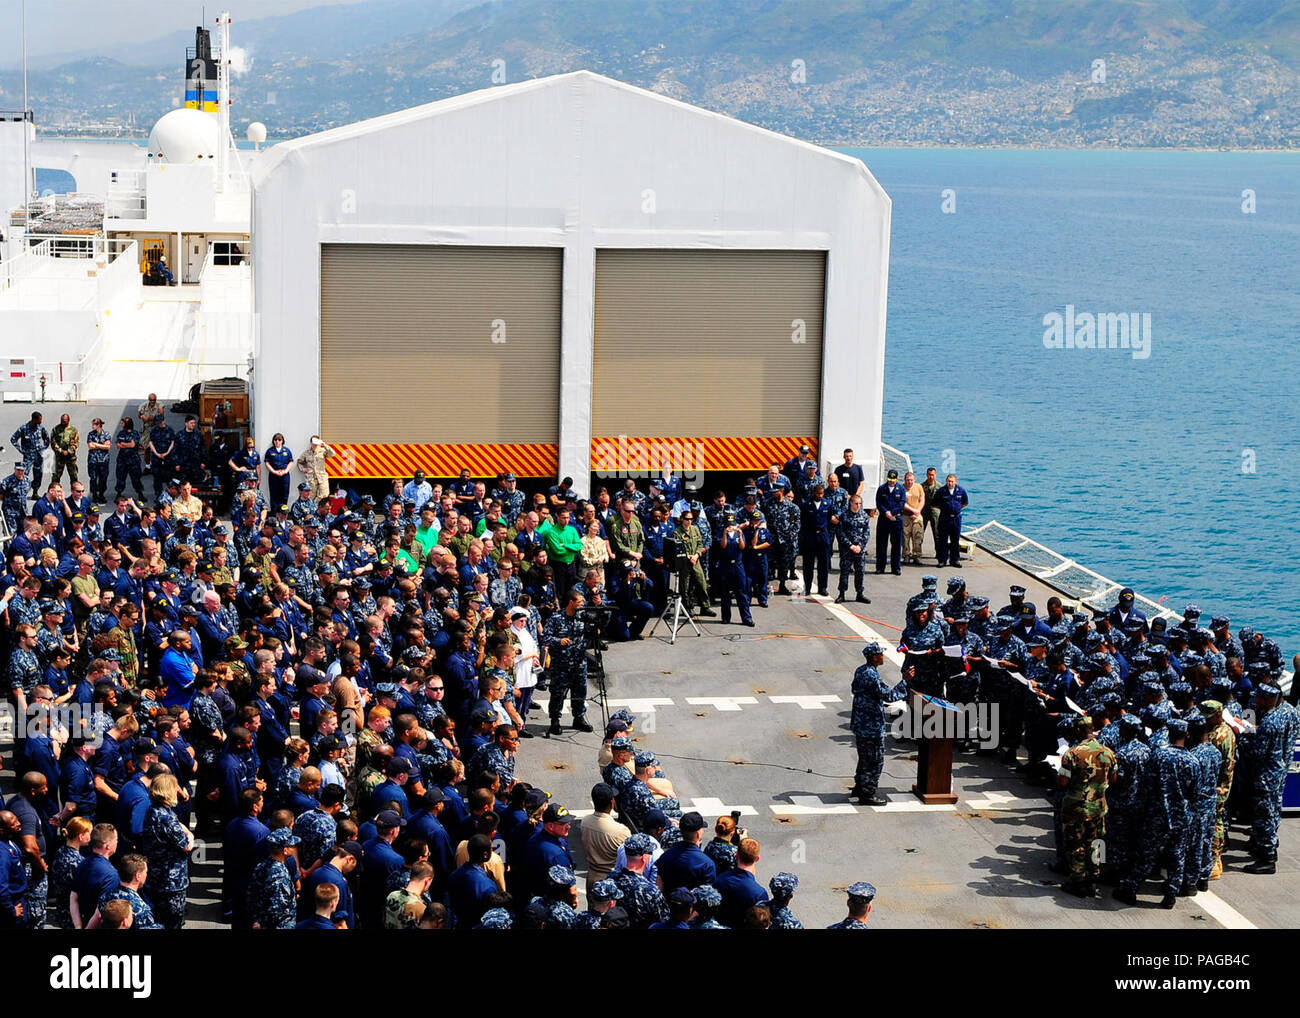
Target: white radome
[(256, 132), (184, 136)]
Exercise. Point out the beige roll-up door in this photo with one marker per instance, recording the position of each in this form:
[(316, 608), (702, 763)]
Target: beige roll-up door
[(445, 344), (731, 340)]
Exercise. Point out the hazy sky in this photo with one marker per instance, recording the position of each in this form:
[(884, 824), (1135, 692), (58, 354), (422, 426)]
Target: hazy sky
[(59, 26)]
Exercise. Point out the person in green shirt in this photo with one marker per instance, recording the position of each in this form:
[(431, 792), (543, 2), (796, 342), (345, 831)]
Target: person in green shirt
[(563, 543), (428, 530)]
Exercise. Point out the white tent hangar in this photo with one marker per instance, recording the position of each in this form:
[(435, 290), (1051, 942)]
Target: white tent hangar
[(564, 275)]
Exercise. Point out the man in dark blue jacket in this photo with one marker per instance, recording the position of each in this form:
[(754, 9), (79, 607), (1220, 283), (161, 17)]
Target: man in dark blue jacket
[(684, 863), (890, 499)]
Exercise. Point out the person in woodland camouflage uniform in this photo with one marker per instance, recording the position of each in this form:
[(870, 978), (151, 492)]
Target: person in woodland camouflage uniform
[(1087, 770)]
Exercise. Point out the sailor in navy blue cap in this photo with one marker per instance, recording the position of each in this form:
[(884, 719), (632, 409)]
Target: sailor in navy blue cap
[(560, 898), (861, 895), (867, 722), (600, 899), (272, 899), (782, 886), (681, 910)]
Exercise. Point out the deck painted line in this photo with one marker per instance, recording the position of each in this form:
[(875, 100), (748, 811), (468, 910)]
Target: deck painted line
[(812, 805), (1000, 800), (714, 807), (890, 643), (1221, 912), (642, 705), (913, 806), (808, 702), (721, 703)]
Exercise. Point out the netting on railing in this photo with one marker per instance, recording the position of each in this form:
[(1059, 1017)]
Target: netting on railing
[(893, 459), (1090, 588)]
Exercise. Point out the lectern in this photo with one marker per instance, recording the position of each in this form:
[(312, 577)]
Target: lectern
[(935, 722)]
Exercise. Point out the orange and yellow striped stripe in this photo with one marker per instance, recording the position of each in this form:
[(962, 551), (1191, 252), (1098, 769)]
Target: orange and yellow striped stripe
[(640, 453), (357, 461)]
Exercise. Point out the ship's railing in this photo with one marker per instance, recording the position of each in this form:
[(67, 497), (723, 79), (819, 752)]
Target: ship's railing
[(127, 197), (116, 286), (893, 459), (1066, 575)]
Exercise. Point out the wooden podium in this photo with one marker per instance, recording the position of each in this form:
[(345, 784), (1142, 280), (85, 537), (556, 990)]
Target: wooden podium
[(933, 757)]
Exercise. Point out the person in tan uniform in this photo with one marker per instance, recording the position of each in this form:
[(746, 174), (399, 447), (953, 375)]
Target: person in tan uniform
[(601, 835), (913, 519)]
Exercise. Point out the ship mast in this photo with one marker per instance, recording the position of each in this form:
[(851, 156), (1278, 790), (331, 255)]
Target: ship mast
[(223, 98)]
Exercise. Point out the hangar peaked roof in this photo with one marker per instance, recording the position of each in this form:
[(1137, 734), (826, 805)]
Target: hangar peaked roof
[(582, 90)]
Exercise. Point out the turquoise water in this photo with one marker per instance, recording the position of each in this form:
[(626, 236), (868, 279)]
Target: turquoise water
[(1176, 472)]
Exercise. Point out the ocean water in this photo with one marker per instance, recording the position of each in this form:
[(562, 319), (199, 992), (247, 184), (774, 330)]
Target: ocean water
[(1176, 472)]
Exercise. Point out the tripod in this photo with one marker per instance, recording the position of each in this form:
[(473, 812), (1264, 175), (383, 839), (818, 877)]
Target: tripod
[(674, 613)]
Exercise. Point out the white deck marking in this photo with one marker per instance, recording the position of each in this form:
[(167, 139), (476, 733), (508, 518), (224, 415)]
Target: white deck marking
[(808, 702), (912, 805), (811, 805), (642, 705), (890, 643), (713, 807), (721, 703), (1001, 800), (1222, 912)]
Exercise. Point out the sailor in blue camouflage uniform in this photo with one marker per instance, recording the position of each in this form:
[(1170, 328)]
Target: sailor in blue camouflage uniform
[(643, 902), (603, 892), (963, 677), (142, 917), (861, 895), (921, 638), (30, 441), (272, 898), (782, 886), (97, 460), (1221, 628), (1268, 750), (504, 591), (1168, 819), (867, 722), (558, 899), (511, 498), (1196, 867), (166, 843), (565, 637), (853, 531), (1008, 653), (1113, 705), (784, 520), (15, 491), (1255, 647), (1128, 798)]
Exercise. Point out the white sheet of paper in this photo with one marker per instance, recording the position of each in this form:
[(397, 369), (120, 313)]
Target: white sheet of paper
[(1062, 745), (953, 651), (1020, 678), (1073, 706)]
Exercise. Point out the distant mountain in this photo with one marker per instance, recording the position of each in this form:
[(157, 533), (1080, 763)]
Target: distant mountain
[(1212, 73)]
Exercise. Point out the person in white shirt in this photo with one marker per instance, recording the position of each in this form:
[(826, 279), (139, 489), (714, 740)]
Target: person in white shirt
[(527, 660)]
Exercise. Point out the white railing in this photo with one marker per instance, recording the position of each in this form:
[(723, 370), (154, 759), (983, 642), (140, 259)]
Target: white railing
[(115, 290), (893, 459), (127, 197)]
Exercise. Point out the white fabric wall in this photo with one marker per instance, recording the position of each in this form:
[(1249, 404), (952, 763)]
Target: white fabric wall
[(575, 161)]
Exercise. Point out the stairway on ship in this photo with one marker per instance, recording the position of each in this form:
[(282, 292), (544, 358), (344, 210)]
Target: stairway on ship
[(154, 354)]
